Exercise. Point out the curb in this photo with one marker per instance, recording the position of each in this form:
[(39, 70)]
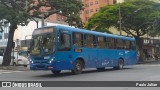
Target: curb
[(145, 62), (15, 68)]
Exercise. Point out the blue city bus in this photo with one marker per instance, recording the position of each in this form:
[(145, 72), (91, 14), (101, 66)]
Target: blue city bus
[(59, 48)]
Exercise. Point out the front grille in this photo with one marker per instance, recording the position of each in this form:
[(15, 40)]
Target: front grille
[(40, 66), (40, 61)]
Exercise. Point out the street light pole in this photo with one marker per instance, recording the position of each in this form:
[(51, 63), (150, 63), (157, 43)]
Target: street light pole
[(120, 22), (42, 22), (44, 13)]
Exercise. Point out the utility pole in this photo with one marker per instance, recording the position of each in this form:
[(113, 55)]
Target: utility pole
[(120, 21), (42, 25), (45, 13)]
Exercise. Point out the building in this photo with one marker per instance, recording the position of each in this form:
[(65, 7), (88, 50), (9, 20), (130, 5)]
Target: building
[(4, 37), (23, 34), (55, 18), (93, 6), (120, 1)]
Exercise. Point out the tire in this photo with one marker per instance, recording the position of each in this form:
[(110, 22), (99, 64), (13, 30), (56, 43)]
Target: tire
[(101, 69), (78, 67), (56, 72), (120, 64)]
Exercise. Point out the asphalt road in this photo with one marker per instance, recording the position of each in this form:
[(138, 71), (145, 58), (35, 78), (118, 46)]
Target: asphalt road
[(140, 72)]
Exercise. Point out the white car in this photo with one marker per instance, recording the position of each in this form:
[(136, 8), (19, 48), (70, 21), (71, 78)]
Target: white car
[(1, 58), (17, 60)]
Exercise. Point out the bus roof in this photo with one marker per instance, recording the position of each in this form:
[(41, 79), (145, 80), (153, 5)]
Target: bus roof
[(91, 32)]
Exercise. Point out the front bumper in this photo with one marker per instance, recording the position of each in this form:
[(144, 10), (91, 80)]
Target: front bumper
[(41, 67), (21, 63)]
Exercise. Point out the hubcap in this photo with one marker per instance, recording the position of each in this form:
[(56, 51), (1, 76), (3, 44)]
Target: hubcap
[(78, 66), (121, 64)]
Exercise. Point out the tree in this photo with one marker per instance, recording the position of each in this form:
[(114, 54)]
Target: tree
[(12, 14), (156, 24), (69, 8), (136, 16), (18, 12)]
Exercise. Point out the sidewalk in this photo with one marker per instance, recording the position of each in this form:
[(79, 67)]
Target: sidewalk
[(149, 61), (16, 68)]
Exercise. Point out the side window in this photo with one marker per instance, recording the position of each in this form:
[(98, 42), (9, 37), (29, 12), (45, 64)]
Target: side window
[(64, 42), (119, 44), (127, 45), (101, 42), (88, 40), (133, 45), (110, 43), (78, 39)]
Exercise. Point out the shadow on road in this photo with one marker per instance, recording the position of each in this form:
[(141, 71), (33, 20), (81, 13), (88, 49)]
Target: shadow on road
[(64, 74)]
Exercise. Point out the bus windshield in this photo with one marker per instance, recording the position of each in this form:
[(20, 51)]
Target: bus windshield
[(43, 43)]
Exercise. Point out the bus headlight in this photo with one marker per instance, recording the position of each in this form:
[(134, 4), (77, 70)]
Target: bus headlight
[(31, 61), (51, 60)]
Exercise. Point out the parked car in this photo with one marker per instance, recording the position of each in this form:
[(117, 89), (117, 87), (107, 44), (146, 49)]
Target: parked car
[(1, 58), (17, 60)]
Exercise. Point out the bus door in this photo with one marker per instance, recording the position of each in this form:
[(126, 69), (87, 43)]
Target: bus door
[(64, 54)]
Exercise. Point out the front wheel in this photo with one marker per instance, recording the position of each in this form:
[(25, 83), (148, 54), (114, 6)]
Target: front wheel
[(78, 66), (56, 72)]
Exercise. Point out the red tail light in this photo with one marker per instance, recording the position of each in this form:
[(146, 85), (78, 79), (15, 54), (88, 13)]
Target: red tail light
[(19, 60)]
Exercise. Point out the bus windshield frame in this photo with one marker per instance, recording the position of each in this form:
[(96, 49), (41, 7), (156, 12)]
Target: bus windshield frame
[(43, 41)]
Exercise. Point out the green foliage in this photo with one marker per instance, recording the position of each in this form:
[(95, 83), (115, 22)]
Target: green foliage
[(156, 24), (104, 19), (12, 12), (70, 9), (15, 13), (137, 17)]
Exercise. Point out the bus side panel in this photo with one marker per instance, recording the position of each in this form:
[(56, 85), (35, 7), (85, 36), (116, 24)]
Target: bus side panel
[(131, 58), (105, 58), (64, 60), (90, 56)]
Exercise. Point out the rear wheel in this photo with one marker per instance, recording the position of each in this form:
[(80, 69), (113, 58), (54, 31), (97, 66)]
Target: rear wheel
[(78, 67), (120, 64), (56, 72)]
